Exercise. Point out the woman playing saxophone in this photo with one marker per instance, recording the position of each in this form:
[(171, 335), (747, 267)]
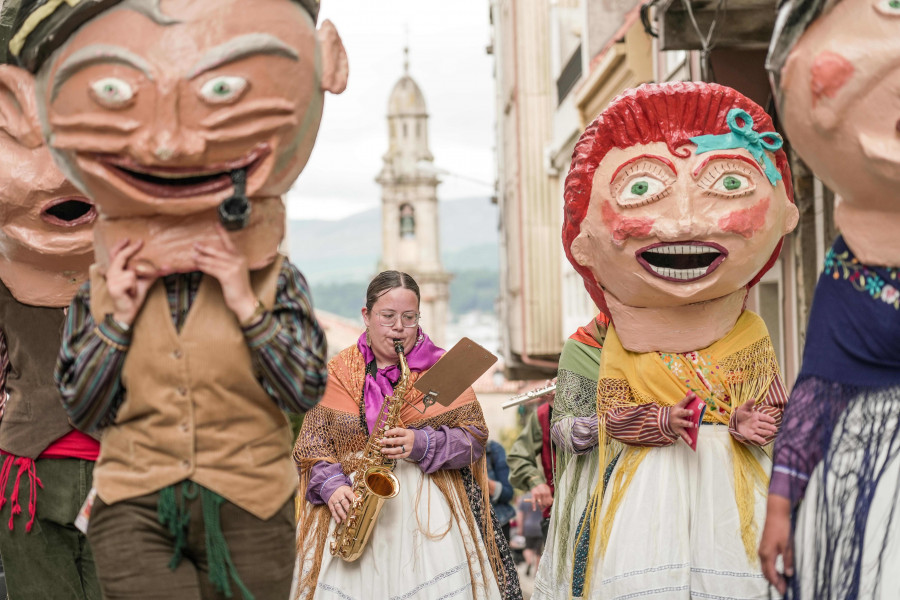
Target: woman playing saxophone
[(438, 534)]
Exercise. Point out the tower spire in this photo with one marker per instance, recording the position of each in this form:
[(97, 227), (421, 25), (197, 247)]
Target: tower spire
[(406, 53)]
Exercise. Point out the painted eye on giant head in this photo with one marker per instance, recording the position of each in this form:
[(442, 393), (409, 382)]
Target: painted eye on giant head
[(890, 8), (112, 92), (641, 182), (728, 179), (223, 89)]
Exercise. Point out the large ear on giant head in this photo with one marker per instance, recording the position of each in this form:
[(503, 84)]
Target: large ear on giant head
[(334, 59), (581, 248), (791, 218), (18, 109)]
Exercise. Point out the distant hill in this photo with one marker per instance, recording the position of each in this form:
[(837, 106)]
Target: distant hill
[(339, 257), (348, 249)]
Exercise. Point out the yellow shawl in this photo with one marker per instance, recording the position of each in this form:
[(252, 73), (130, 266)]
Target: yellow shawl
[(736, 369)]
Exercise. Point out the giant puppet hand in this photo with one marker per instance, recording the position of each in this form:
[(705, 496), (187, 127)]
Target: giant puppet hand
[(229, 266), (681, 418), (756, 427), (127, 289)]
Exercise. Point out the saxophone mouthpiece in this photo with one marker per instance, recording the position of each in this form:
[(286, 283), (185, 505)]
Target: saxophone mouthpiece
[(398, 346)]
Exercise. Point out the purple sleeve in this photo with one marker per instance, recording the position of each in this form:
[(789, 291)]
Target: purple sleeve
[(324, 479), (444, 448), (804, 435), (577, 435)]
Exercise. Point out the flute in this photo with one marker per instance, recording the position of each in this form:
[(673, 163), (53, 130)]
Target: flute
[(535, 393)]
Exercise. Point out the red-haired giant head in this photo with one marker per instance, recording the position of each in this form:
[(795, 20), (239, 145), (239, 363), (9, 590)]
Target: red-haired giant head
[(677, 193)]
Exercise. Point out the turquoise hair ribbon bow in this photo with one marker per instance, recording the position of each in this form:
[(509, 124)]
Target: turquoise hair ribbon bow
[(744, 136)]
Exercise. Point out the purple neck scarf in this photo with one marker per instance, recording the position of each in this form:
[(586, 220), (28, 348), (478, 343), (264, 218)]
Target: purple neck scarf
[(421, 358)]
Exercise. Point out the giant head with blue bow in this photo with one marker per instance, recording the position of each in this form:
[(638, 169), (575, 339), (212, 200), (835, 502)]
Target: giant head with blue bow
[(676, 203)]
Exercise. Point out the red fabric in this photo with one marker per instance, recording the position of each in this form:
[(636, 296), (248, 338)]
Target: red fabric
[(28, 468), (543, 414), (586, 334), (73, 445)]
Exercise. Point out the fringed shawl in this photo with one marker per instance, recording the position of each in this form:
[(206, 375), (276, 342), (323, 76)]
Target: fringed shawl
[(576, 397), (335, 431)]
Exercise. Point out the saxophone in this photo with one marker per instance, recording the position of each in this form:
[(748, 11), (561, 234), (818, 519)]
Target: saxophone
[(374, 480)]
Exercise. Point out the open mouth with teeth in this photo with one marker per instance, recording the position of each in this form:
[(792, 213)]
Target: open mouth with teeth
[(182, 182), (681, 261), (69, 212)]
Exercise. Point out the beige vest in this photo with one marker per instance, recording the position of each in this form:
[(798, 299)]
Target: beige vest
[(193, 407)]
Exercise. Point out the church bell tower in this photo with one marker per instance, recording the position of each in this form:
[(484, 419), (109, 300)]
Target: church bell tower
[(409, 204)]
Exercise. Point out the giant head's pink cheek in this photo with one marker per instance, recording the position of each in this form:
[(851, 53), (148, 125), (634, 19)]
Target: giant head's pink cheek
[(622, 227), (747, 221), (830, 71)]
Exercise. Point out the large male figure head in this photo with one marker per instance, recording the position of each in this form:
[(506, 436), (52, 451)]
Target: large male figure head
[(160, 110), (45, 222)]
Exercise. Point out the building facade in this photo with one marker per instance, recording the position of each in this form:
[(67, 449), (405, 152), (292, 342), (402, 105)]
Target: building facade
[(558, 64)]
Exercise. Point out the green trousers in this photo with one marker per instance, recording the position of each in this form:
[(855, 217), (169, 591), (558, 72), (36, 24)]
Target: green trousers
[(54, 559), (134, 550)]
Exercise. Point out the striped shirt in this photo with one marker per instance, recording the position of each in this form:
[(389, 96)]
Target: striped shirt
[(648, 424), (287, 345)]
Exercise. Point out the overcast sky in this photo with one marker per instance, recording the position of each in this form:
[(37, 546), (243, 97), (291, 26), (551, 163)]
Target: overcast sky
[(447, 41)]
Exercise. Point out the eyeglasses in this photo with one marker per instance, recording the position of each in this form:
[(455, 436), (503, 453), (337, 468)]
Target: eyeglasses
[(387, 318)]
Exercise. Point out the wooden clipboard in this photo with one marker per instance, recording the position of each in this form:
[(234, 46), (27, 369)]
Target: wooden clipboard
[(454, 372)]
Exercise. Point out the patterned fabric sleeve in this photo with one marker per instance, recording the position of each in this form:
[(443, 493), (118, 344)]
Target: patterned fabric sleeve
[(575, 435), (325, 478), (808, 424), (574, 425), (289, 345), (644, 425), (445, 448), (89, 366), (523, 459)]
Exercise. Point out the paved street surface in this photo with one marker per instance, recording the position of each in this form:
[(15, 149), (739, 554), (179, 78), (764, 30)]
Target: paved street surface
[(527, 581)]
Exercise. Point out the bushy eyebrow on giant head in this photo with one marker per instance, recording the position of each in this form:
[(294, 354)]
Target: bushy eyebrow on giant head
[(251, 44), (97, 54)]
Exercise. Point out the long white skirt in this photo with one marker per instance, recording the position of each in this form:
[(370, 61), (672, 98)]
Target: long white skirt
[(416, 552), (816, 544), (676, 534), (554, 576)]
